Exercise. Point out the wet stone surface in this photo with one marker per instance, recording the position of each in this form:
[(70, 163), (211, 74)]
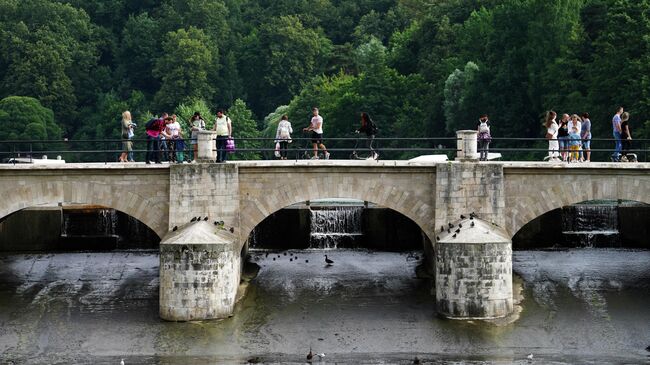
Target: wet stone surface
[(579, 306)]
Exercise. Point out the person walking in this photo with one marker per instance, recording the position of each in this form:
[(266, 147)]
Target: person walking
[(316, 127), (153, 129), (369, 127), (551, 135), (283, 136), (616, 131), (196, 124), (223, 127), (585, 134), (563, 136), (626, 136), (127, 135), (484, 137)]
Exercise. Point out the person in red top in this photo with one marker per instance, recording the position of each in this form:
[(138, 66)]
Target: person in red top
[(153, 138)]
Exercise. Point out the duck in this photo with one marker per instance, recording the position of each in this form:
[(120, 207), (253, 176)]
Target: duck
[(328, 261), (310, 355)]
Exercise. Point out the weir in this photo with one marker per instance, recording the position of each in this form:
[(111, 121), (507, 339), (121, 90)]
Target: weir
[(201, 262)]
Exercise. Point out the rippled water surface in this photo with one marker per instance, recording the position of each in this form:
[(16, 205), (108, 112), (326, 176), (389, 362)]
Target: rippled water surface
[(579, 306)]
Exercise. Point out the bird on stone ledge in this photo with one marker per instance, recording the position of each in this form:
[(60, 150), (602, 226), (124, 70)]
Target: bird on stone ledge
[(205, 219), (462, 216), (175, 228), (193, 219), (454, 236)]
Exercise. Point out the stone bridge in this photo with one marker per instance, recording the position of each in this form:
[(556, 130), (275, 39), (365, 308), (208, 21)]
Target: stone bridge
[(200, 262)]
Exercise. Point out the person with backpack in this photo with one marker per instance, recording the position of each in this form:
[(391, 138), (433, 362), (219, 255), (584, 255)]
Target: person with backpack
[(484, 137), (153, 129), (283, 136), (223, 127), (369, 127)]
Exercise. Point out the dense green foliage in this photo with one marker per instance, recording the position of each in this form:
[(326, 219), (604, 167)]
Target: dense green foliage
[(420, 68)]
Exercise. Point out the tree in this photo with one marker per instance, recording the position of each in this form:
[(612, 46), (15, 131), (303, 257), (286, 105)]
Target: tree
[(24, 118), (456, 106), (184, 68), (244, 126)]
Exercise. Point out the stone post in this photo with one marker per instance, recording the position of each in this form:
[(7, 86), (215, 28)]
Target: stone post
[(207, 146), (467, 145)]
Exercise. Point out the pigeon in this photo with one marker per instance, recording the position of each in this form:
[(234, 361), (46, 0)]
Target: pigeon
[(290, 260), (193, 219), (175, 228), (221, 223), (449, 231), (267, 255), (454, 236), (310, 355), (471, 224), (647, 348), (285, 254), (460, 225), (451, 225), (457, 231), (274, 259), (462, 216), (122, 362), (530, 356), (437, 238), (328, 261), (306, 260), (232, 229), (471, 218), (205, 219), (215, 223), (442, 229), (416, 361)]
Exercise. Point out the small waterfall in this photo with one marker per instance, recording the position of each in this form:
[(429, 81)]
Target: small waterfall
[(335, 227), (591, 225)]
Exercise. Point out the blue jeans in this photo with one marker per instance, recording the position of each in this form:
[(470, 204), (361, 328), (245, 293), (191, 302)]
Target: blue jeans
[(153, 149), (619, 146), (222, 155)]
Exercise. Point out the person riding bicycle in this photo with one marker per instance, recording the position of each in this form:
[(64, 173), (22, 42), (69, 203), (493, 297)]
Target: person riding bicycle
[(369, 127)]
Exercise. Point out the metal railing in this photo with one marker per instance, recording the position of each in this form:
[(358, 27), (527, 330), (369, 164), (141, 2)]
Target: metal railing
[(108, 150)]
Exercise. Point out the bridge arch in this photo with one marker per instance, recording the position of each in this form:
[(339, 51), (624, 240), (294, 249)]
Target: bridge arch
[(413, 198), (534, 200), (152, 212)]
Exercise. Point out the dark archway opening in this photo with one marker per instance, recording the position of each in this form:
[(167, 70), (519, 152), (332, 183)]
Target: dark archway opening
[(335, 225), (74, 228), (597, 223)]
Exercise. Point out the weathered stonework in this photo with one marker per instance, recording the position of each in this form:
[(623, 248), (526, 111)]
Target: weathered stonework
[(474, 272), (199, 273)]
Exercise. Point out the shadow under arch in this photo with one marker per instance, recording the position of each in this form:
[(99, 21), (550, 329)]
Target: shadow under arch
[(588, 223), (332, 223), (74, 227)]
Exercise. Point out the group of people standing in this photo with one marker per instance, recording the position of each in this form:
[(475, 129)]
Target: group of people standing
[(570, 139), (165, 140)]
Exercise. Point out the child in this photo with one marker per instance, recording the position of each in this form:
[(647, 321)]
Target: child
[(574, 144), (180, 147)]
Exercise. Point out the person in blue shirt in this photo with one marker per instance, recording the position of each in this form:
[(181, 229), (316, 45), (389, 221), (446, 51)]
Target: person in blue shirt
[(616, 130), (574, 144)]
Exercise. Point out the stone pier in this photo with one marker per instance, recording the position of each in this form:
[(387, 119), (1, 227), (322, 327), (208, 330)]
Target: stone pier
[(200, 267)]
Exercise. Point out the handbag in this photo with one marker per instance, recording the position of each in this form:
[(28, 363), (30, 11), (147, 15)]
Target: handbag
[(230, 145), (277, 149)]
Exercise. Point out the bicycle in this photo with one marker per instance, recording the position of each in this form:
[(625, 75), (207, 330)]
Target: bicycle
[(308, 151)]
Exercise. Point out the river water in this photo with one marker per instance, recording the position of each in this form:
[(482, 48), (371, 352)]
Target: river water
[(579, 306)]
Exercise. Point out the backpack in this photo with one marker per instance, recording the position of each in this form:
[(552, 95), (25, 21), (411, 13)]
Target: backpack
[(150, 124), (483, 127), (284, 132)]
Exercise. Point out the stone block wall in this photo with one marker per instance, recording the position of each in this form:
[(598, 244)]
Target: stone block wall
[(205, 189), (474, 280), (198, 281), (464, 187)]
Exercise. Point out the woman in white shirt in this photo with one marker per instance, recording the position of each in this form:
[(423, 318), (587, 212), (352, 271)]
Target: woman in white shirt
[(283, 136), (551, 135)]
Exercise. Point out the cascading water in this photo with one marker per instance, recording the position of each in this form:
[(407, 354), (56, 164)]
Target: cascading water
[(591, 225), (335, 227)]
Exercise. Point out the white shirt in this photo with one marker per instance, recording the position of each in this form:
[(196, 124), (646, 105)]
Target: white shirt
[(317, 121), (552, 130), (173, 129), (577, 124)]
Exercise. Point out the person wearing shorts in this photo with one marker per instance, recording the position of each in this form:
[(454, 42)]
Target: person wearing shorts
[(316, 127)]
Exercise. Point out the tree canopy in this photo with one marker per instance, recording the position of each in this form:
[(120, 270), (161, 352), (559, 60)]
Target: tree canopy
[(420, 68)]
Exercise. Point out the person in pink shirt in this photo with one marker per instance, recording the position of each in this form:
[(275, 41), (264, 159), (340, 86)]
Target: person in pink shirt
[(153, 129)]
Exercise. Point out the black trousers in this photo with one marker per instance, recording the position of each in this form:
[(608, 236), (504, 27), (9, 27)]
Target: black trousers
[(222, 155), (153, 149)]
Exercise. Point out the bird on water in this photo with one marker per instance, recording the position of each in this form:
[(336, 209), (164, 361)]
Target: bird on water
[(310, 355), (122, 362), (417, 361), (328, 261)]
